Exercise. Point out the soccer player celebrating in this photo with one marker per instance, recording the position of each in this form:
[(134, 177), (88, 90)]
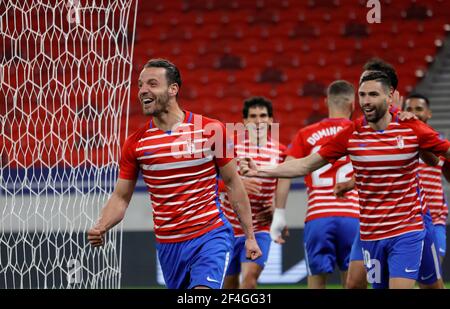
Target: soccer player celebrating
[(430, 274), (257, 143), (178, 153), (356, 275), (384, 152), (431, 177), (379, 65), (331, 224)]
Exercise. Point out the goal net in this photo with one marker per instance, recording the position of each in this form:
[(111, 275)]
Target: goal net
[(65, 68)]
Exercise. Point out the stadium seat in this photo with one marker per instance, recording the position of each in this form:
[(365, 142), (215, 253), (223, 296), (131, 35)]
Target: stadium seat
[(417, 11), (224, 48), (313, 89), (272, 75), (356, 29), (230, 62)]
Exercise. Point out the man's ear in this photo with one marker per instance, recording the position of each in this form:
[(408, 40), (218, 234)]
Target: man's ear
[(173, 89), (391, 94)]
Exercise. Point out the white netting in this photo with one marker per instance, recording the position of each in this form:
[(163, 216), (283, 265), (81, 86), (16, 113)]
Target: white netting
[(65, 69)]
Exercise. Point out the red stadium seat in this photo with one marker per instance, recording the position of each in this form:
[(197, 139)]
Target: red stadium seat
[(222, 47)]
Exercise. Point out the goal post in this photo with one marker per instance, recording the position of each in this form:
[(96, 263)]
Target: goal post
[(65, 76)]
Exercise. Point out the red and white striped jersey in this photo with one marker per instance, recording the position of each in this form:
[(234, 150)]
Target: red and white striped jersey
[(269, 155), (179, 168), (386, 173), (320, 184), (434, 198)]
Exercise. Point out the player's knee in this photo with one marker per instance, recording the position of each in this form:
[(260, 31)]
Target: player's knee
[(353, 282), (249, 281)]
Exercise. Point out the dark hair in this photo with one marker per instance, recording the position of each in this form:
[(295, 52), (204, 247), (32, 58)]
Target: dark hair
[(340, 87), (377, 64), (257, 102), (340, 93), (173, 75), (419, 96), (379, 77)]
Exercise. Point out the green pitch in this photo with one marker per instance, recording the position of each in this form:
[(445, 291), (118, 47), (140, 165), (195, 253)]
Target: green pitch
[(268, 286), (303, 286)]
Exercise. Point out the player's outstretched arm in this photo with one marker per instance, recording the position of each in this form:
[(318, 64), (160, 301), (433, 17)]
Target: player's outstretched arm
[(113, 211), (289, 169), (241, 205)]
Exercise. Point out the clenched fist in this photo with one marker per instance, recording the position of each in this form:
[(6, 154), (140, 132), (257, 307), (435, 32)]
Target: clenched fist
[(247, 167), (96, 236)]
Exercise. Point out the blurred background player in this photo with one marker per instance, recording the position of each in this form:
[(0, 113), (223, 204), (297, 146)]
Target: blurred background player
[(431, 177), (260, 146), (384, 151), (194, 240), (331, 224)]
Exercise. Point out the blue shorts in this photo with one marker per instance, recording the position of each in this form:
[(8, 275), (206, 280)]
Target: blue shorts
[(263, 240), (395, 257), (199, 261), (441, 239), (328, 242), (356, 254), (430, 267)]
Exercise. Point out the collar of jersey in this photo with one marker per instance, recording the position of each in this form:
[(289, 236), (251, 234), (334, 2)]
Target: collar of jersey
[(187, 119)]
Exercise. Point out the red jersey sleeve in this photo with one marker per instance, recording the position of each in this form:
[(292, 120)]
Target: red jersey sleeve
[(296, 148), (128, 166), (224, 151), (428, 138), (336, 148)]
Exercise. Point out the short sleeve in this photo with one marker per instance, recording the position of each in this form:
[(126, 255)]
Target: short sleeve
[(428, 138), (296, 148), (128, 166), (336, 148), (224, 150)]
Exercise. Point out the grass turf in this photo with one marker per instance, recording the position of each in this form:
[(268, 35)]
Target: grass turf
[(271, 286)]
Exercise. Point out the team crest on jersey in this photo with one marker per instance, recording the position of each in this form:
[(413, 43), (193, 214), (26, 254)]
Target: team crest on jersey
[(400, 142)]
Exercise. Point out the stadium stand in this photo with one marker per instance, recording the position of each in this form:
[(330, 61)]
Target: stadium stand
[(286, 50), (299, 46)]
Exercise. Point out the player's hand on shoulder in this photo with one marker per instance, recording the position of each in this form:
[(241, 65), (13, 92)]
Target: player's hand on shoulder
[(403, 115)]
